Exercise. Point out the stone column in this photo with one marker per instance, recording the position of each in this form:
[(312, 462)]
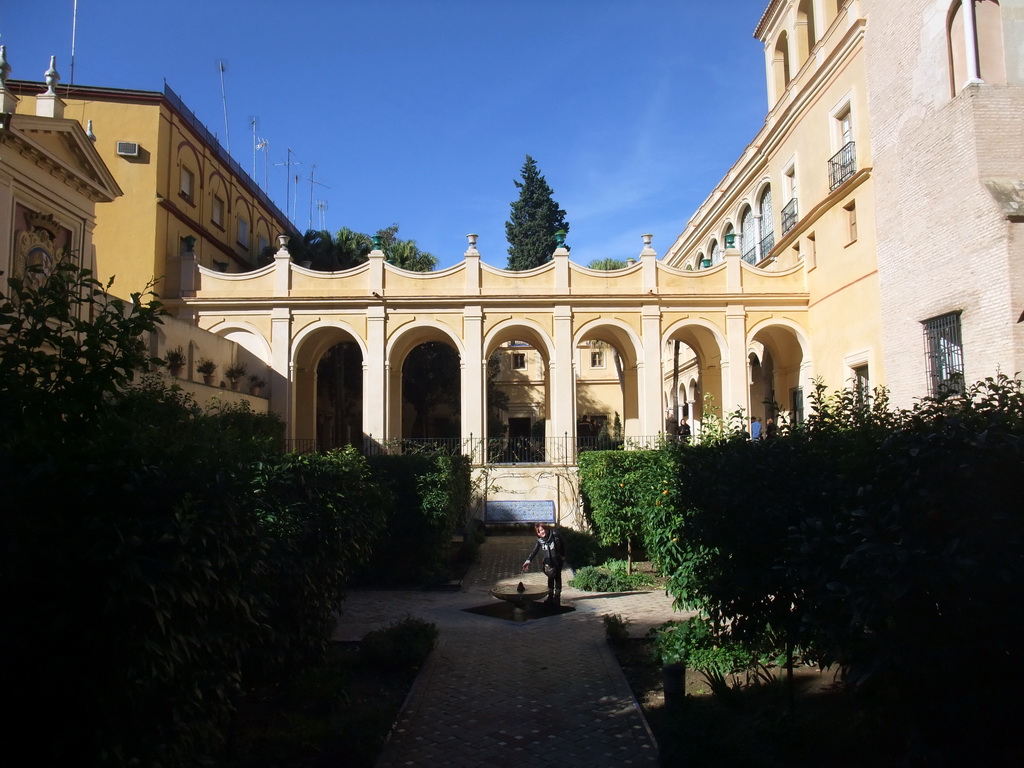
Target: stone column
[(651, 410), (970, 41), (376, 394), (562, 379), (281, 382), (735, 388), (474, 378)]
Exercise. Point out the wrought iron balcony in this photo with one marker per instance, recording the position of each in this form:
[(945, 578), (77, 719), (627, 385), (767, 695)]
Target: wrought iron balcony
[(750, 255), (767, 243), (789, 216), (842, 165)]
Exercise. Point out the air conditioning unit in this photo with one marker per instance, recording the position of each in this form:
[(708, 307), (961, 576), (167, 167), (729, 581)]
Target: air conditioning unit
[(127, 149)]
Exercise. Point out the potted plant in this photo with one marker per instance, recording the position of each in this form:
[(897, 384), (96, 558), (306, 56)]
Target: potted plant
[(206, 367), (234, 373), (175, 360), (256, 384)]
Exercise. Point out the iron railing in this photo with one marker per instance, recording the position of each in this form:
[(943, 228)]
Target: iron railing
[(789, 216), (842, 165), (750, 255), (767, 243), (502, 451)]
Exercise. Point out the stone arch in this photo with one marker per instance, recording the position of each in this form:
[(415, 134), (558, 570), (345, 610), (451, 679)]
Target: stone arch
[(709, 351), (781, 72), (623, 338), (805, 33), (528, 416), (245, 335), (784, 344), (310, 412), (400, 346)]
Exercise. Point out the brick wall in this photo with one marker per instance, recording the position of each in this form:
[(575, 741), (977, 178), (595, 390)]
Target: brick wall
[(943, 242)]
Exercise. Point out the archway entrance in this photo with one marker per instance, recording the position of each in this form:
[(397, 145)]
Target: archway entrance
[(339, 397), (431, 392)]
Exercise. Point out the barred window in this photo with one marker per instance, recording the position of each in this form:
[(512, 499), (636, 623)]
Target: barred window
[(944, 354)]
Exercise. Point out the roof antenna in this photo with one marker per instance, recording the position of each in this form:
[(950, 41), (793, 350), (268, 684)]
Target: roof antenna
[(74, 28), (222, 68)]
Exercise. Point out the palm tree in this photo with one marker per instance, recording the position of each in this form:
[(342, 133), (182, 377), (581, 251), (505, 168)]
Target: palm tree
[(351, 248), (405, 254)]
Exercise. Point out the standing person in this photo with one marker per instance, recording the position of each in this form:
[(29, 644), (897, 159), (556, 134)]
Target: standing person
[(552, 549), (755, 428), (769, 429), (684, 430)]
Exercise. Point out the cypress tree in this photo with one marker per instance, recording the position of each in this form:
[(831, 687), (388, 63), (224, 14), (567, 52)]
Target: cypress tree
[(534, 221)]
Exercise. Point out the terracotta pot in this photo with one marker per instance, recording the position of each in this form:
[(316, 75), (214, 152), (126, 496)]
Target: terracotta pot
[(208, 378), (175, 370)]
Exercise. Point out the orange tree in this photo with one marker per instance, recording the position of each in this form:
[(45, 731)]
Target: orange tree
[(619, 488)]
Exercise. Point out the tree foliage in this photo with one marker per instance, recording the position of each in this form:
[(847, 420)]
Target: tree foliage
[(607, 264), (347, 249), (150, 547), (430, 380), (535, 219), (861, 537)]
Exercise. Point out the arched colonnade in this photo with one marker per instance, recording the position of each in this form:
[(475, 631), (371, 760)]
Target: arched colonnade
[(741, 331)]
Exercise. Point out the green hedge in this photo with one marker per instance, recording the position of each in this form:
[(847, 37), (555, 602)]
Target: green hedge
[(148, 547), (889, 543), (429, 500)]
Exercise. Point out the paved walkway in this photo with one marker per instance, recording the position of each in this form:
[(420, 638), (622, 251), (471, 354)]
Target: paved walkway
[(500, 693)]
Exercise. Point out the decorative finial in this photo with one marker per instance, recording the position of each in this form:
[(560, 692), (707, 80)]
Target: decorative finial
[(52, 77), (647, 237), (560, 237), (88, 131), (472, 240), (5, 67), (377, 241), (730, 240)]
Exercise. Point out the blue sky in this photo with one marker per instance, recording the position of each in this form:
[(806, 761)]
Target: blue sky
[(421, 112)]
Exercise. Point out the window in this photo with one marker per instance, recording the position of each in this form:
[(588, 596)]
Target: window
[(217, 213), (944, 354), (748, 236), (851, 220), (974, 38), (789, 211), (714, 254), (597, 357), (243, 232), (862, 384), (188, 181), (843, 164), (767, 223), (261, 244), (518, 361)]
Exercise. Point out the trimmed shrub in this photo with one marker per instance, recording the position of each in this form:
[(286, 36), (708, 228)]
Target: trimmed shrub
[(429, 500)]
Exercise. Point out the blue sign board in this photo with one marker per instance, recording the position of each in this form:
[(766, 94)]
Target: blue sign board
[(519, 512)]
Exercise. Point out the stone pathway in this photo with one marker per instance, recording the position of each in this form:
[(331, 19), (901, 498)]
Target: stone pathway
[(501, 693)]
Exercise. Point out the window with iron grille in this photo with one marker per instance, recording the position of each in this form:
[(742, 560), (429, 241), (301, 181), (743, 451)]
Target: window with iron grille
[(944, 354)]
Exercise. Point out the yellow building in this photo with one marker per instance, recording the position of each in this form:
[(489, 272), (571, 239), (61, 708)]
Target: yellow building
[(179, 182), (890, 171), (51, 181), (802, 195)]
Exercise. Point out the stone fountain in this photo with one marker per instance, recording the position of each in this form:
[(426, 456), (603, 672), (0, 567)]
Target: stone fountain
[(520, 597)]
